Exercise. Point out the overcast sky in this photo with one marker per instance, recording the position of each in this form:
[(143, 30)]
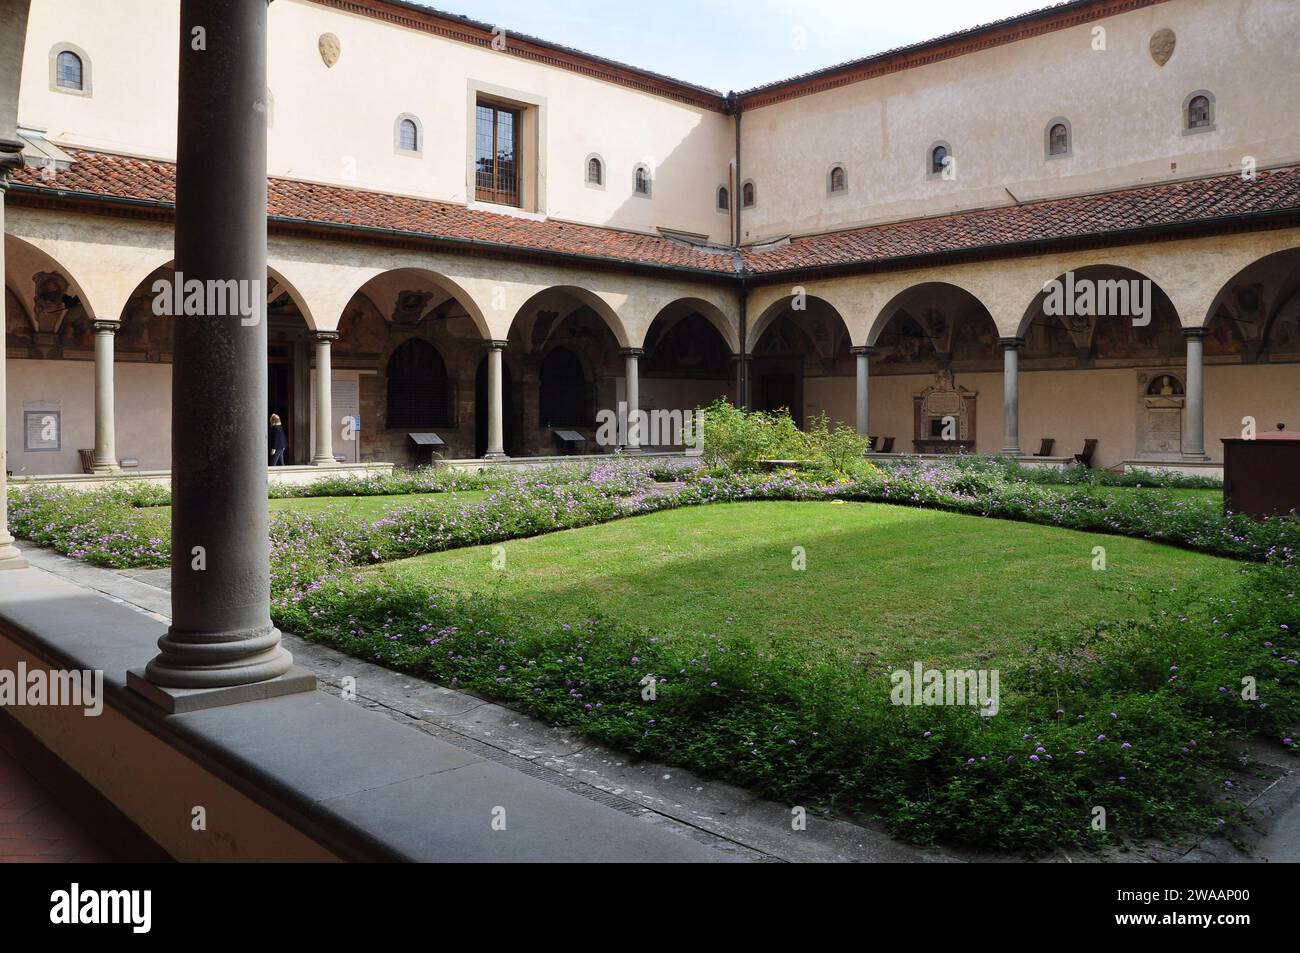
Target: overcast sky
[(735, 44)]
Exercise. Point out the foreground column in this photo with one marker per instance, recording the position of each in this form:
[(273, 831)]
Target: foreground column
[(632, 354), (862, 416), (105, 426), (10, 558), (1011, 395), (323, 455), (221, 633), (496, 441), (1194, 414)]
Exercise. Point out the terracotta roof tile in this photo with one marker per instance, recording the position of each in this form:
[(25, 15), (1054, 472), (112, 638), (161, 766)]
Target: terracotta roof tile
[(1114, 213), (149, 180), (1180, 203)]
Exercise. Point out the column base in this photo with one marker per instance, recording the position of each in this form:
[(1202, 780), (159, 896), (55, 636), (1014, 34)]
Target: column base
[(1011, 452), (218, 659), (324, 462), (176, 701), (630, 450), (492, 455), (105, 468), (11, 557), (1201, 457)]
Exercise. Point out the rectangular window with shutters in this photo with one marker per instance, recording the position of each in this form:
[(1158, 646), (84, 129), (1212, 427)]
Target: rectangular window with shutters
[(497, 159)]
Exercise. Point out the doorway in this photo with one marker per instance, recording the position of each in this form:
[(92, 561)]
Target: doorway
[(279, 394)]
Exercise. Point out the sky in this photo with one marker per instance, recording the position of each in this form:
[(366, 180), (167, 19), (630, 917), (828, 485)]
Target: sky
[(735, 44)]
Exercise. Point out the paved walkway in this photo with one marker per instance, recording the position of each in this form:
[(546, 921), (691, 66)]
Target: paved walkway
[(732, 816), (34, 829)]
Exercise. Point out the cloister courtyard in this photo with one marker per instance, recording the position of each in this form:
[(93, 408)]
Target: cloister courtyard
[(423, 441)]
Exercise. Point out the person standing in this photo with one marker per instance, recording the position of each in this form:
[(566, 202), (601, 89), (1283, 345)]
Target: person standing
[(279, 443)]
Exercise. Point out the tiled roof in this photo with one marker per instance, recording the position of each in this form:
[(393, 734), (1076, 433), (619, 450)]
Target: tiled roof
[(150, 180), (1111, 214), (1174, 204)]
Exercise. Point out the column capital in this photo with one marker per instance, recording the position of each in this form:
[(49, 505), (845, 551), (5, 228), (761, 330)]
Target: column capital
[(632, 351), (102, 326), (496, 344), (1195, 332), (865, 349), (1011, 343), (325, 336)]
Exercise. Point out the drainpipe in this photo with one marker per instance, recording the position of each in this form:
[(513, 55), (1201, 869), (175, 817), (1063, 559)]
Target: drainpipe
[(738, 196)]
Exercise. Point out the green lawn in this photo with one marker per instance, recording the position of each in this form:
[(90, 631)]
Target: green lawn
[(886, 583)]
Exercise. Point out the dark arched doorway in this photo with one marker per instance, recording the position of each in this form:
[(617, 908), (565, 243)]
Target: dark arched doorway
[(417, 387), (563, 391)]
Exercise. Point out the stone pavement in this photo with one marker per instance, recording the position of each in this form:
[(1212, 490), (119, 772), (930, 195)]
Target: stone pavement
[(34, 829), (751, 825)]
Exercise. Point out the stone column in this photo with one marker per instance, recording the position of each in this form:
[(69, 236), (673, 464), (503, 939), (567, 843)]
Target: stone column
[(323, 455), (105, 428), (1194, 414), (221, 635), (496, 439), (1011, 395), (633, 355), (10, 558), (862, 419)]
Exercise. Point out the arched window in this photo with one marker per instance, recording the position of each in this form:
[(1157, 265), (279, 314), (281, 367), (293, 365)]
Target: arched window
[(747, 195), (1058, 138), (837, 180), (724, 199), (562, 401), (408, 136), (1198, 111), (595, 171), (940, 157), (417, 387), (641, 181), (69, 71)]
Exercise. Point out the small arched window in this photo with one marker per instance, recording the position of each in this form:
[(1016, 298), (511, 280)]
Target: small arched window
[(939, 158), (837, 180), (69, 71), (1200, 111), (724, 199), (747, 195), (641, 181), (408, 136), (595, 171), (1058, 138)]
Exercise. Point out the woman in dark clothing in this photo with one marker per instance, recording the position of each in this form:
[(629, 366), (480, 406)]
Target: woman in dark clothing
[(279, 442)]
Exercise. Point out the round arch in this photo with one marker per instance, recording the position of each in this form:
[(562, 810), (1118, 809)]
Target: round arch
[(681, 307), (567, 299), (811, 304), (24, 261), (1065, 289), (926, 289), (383, 287)]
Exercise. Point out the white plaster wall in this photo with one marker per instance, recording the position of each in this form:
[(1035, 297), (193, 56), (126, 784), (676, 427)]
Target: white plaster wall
[(993, 108), (143, 398), (336, 125)]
